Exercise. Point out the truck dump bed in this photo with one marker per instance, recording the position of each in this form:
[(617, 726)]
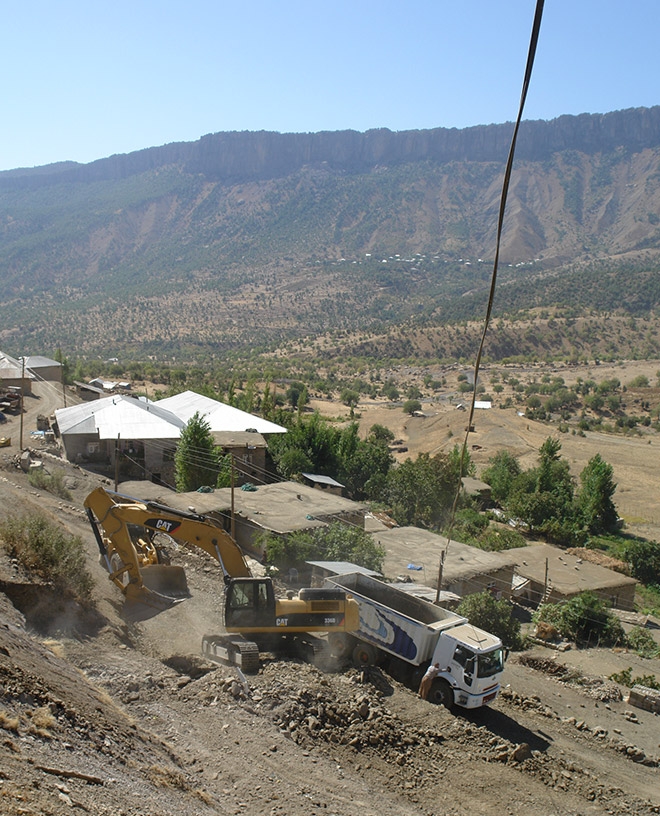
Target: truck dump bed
[(395, 621)]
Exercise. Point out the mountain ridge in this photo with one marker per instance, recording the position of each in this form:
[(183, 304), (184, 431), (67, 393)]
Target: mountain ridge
[(235, 156), (246, 239)]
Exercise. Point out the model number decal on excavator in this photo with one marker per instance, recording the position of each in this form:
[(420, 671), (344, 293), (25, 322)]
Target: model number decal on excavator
[(165, 525)]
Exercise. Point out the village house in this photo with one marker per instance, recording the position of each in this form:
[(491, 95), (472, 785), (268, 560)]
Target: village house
[(144, 434), (414, 554), (546, 574), (13, 374), (280, 508)]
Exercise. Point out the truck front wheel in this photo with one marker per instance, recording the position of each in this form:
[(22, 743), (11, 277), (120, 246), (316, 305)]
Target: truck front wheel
[(441, 694)]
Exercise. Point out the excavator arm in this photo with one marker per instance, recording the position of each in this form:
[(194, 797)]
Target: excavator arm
[(133, 559)]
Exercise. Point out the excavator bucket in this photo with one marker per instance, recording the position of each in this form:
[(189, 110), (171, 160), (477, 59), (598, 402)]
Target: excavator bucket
[(165, 579), (163, 587)]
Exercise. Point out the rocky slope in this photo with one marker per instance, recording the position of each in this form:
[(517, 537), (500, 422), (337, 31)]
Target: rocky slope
[(111, 714)]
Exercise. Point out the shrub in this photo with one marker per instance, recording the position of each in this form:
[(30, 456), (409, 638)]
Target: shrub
[(411, 406), (338, 542), (585, 619), (625, 678), (644, 559), (51, 482), (46, 550), (499, 539), (641, 641)]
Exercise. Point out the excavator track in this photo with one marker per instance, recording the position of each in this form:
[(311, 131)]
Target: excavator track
[(231, 650)]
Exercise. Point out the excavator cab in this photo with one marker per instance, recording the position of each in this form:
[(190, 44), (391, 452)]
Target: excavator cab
[(249, 603)]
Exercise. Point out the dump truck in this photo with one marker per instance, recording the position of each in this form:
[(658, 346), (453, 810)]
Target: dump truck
[(407, 634)]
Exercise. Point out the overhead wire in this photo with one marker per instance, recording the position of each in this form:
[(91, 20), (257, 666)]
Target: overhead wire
[(536, 28)]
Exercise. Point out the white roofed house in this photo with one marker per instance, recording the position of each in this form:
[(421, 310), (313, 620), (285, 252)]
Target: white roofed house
[(220, 417), (235, 431), (145, 434), (13, 374)]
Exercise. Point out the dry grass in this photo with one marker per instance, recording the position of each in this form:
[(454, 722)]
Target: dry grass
[(42, 717), (9, 722)]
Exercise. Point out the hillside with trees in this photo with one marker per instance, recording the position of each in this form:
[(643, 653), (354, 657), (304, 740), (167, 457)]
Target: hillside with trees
[(242, 242)]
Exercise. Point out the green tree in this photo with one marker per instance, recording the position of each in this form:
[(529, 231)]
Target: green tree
[(485, 612), (461, 462), (316, 442), (363, 463), (543, 497), (196, 461), (294, 393), (500, 474), (644, 559), (379, 433), (411, 405), (336, 542), (595, 498), (350, 397), (585, 619), (67, 379), (421, 491)]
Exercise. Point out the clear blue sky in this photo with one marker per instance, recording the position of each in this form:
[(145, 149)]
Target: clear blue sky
[(84, 80)]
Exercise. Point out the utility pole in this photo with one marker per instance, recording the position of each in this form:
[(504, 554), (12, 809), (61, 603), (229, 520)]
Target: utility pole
[(233, 515), (117, 462), (440, 571), (20, 442)]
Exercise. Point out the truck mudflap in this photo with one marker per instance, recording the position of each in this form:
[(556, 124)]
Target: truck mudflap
[(467, 700)]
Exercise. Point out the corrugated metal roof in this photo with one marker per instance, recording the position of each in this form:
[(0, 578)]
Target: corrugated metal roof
[(220, 417), (326, 480), (119, 416), (12, 369), (37, 361)]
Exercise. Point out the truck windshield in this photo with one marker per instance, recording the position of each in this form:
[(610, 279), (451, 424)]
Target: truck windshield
[(490, 664)]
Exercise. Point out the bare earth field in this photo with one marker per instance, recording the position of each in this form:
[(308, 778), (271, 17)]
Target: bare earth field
[(107, 711)]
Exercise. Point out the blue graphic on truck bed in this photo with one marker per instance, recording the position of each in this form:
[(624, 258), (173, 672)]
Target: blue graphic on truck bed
[(387, 634)]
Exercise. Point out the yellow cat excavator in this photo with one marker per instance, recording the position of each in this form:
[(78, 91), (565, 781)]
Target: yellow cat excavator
[(132, 537)]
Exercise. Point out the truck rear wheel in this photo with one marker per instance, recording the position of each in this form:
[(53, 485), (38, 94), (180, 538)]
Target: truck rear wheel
[(340, 644), (364, 655), (441, 694)]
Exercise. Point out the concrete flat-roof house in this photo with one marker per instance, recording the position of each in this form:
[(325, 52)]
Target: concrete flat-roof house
[(552, 575), (280, 508), (415, 553)]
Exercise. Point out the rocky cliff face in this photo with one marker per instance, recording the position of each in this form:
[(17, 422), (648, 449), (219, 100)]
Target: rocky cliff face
[(257, 156)]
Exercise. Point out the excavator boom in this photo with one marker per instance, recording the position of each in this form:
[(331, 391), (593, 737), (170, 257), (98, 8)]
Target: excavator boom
[(133, 559)]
